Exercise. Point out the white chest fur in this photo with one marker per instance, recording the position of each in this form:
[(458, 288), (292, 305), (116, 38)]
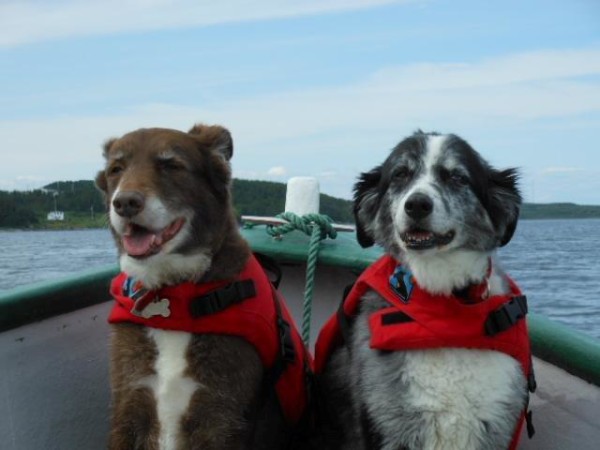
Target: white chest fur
[(171, 387), (462, 389)]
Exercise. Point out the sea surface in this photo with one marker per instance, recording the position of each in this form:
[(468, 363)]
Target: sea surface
[(555, 262)]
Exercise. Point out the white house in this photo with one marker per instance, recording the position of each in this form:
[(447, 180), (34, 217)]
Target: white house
[(56, 215)]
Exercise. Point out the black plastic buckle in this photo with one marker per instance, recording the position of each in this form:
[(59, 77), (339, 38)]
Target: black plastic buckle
[(223, 298), (506, 316)]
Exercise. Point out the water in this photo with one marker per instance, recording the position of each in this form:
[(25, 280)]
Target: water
[(31, 256), (556, 263)]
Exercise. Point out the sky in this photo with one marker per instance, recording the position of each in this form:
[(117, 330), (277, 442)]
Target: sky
[(322, 88)]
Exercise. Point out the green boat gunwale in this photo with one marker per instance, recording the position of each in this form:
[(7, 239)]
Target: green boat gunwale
[(555, 343)]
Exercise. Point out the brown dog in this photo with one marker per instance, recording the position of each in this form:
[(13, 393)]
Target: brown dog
[(168, 195)]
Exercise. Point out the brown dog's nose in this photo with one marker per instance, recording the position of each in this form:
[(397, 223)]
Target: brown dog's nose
[(128, 203), (418, 206)]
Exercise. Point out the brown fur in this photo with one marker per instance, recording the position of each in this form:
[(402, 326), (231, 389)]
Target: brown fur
[(134, 422), (223, 413), (232, 384)]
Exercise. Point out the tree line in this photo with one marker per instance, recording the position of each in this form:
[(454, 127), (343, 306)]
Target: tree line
[(29, 209), (19, 209)]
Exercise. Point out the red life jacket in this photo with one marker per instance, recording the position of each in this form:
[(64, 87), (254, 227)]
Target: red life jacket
[(247, 307), (417, 319)]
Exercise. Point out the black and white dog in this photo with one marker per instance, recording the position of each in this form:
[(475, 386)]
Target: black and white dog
[(440, 209)]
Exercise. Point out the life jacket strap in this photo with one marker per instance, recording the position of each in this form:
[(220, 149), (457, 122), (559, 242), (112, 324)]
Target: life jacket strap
[(223, 298), (395, 317), (287, 352), (529, 424), (506, 315), (531, 382), (345, 321), (270, 265)]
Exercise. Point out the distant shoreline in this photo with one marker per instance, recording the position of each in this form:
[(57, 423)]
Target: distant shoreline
[(8, 229), (82, 206), (54, 227)]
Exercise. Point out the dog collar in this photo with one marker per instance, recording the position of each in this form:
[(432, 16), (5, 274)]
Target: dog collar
[(402, 283)]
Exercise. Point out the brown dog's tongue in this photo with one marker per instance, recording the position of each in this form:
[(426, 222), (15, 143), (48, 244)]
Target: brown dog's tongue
[(138, 243)]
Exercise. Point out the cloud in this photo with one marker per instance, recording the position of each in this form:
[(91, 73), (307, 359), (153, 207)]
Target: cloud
[(565, 184), (506, 70), (561, 170), (24, 182), (278, 171), (246, 174), (29, 21), (29, 178), (327, 174), (349, 127)]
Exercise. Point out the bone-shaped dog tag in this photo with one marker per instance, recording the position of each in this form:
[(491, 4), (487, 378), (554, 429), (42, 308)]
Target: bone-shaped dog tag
[(156, 308)]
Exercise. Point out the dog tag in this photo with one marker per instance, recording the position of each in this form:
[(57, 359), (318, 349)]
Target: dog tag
[(154, 308), (401, 283)]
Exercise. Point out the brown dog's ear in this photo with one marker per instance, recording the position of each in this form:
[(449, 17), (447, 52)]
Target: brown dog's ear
[(366, 204), (101, 181), (107, 145), (216, 138)]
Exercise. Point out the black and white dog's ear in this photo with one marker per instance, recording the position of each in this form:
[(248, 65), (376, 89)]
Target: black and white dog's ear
[(366, 203), (504, 203), (215, 137)]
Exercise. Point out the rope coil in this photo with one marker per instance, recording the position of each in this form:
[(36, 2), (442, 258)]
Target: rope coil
[(318, 227)]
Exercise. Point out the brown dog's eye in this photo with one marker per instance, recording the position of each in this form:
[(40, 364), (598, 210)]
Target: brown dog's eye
[(115, 169), (170, 164)]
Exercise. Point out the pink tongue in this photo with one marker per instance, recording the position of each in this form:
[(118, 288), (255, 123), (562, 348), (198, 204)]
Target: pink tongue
[(138, 244)]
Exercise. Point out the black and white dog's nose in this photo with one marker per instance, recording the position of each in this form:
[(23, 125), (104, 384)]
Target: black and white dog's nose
[(418, 206), (128, 203)]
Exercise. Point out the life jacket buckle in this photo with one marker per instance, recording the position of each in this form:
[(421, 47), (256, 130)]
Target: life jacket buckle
[(506, 315)]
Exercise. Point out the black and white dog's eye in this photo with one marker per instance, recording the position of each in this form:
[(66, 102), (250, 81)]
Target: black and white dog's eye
[(453, 177), (402, 174), (458, 178)]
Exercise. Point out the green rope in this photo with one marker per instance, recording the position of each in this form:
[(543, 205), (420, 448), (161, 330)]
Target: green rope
[(318, 227)]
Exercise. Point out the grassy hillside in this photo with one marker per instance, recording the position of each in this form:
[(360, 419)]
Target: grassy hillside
[(84, 208)]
